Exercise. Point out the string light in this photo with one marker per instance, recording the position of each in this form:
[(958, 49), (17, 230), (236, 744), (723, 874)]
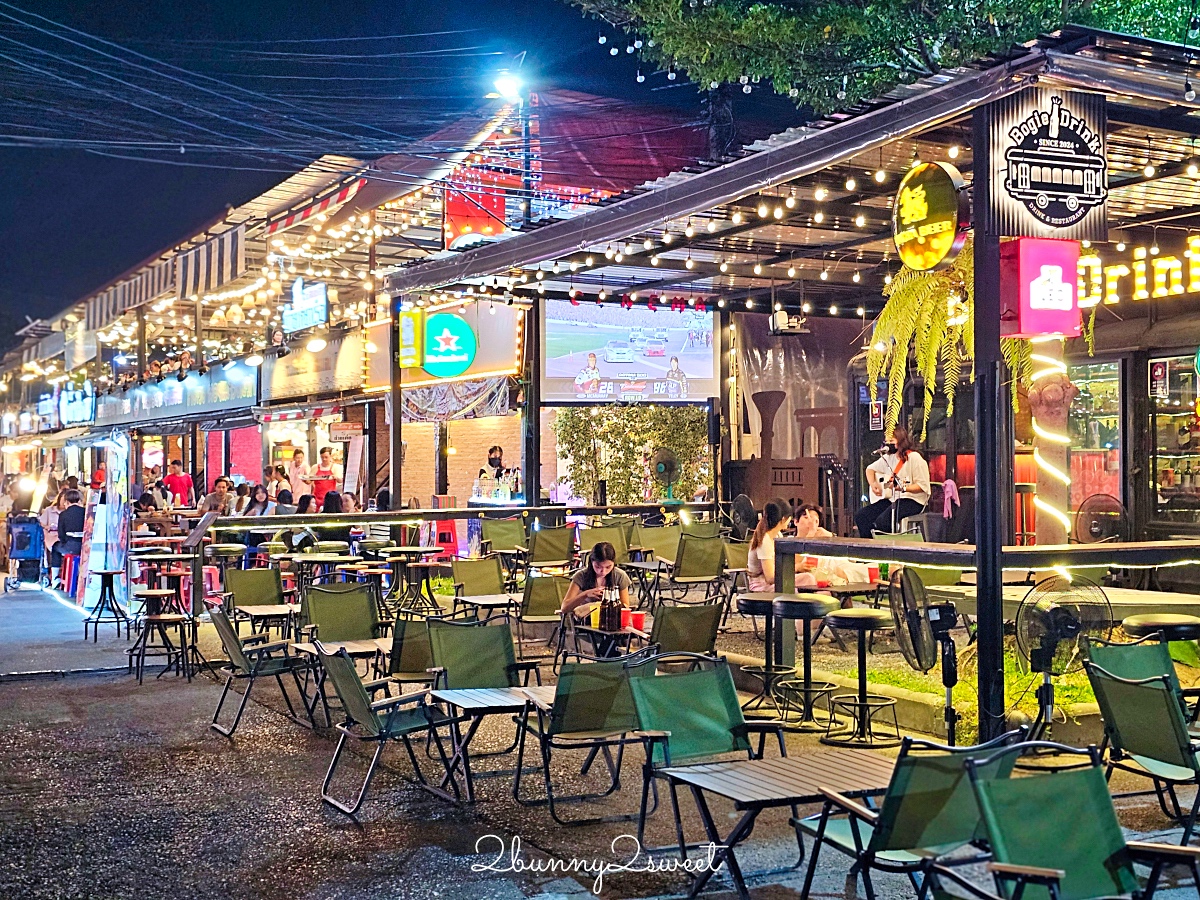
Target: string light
[(851, 184)]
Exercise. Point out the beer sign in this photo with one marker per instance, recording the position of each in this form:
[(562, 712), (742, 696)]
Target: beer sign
[(930, 216)]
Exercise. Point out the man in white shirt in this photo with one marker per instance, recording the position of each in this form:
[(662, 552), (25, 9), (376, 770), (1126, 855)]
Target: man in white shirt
[(898, 484), (298, 475)]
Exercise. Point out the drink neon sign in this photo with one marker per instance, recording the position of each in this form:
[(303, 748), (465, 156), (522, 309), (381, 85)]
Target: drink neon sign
[(1145, 276)]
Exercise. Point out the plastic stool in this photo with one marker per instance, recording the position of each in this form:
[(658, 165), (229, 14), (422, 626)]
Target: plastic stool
[(68, 573)]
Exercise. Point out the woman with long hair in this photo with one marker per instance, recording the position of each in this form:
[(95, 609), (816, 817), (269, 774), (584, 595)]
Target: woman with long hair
[(306, 505), (760, 563), (260, 502), (590, 582), (332, 503), (898, 483)]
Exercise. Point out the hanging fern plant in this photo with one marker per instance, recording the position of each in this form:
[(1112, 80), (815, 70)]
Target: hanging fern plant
[(929, 318)]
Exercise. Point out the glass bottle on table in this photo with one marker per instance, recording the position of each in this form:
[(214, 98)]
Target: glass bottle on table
[(610, 610)]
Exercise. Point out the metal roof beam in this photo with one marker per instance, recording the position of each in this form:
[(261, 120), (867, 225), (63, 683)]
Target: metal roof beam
[(812, 150)]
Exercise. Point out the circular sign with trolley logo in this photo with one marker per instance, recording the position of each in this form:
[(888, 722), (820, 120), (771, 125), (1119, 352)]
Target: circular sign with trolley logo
[(1056, 169), (930, 216)]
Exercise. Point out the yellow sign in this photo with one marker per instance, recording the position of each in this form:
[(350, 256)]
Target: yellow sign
[(410, 341), (1145, 275), (929, 217)]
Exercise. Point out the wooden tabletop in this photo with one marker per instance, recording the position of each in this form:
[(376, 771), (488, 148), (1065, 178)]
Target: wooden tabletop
[(492, 601), (406, 551), (792, 779), (856, 587), (479, 701), (354, 648), (269, 609), (1125, 601), (159, 557), (324, 559)]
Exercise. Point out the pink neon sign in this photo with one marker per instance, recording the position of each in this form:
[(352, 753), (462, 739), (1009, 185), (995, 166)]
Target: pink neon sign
[(1038, 288)]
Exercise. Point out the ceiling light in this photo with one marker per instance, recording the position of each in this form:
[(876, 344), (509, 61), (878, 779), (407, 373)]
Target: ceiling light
[(254, 360), (880, 176), (833, 310), (860, 220), (820, 194), (315, 344), (953, 151), (851, 184)]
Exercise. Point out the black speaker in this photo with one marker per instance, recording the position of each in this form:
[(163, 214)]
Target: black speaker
[(714, 422)]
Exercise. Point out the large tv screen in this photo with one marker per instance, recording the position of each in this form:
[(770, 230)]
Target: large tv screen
[(598, 354)]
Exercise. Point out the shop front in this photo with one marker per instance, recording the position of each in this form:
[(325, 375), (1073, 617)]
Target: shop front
[(167, 417), (327, 393), (457, 364)]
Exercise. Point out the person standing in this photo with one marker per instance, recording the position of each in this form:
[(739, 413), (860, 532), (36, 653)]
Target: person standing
[(898, 482), (495, 462), (180, 487), (298, 474), (326, 476)]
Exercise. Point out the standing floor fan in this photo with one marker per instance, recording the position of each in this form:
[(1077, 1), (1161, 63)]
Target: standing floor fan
[(920, 628), (1052, 622)]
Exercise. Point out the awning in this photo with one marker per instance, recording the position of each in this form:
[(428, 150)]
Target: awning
[(64, 437), (243, 419), (295, 413)]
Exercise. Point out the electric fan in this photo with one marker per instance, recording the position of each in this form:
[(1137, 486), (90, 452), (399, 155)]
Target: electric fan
[(920, 627), (1053, 620), (1100, 517), (665, 465)]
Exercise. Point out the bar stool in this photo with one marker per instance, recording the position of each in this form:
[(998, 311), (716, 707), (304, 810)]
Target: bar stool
[(331, 547), (1168, 626), (153, 600), (176, 656), (107, 609), (804, 608), (862, 708), (762, 603), (1022, 491)]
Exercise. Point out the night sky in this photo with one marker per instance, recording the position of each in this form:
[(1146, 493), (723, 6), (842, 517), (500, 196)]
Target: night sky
[(72, 220)]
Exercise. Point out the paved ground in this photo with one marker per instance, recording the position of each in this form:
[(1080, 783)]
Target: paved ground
[(109, 791)]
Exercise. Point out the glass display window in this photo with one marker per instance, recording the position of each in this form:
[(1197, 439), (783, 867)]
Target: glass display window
[(1094, 427), (1175, 426)]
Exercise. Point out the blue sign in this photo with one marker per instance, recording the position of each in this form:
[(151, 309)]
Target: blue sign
[(309, 307)]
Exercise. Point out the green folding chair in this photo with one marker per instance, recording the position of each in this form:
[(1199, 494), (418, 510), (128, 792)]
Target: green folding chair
[(700, 562), (250, 659), (688, 718), (737, 575), (686, 629), (391, 719), (1135, 660), (702, 529), (1148, 735), (1056, 835), (340, 611), (625, 523), (476, 655), (550, 548), (507, 539), (540, 604), (612, 534), (411, 658), (248, 588), (929, 810), (593, 711), (660, 542), (477, 578)]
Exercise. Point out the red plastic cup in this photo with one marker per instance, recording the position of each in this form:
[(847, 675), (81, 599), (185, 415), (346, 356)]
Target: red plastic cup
[(873, 572), (626, 618), (638, 620)]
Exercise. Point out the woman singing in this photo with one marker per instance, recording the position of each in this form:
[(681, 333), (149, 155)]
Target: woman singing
[(899, 486)]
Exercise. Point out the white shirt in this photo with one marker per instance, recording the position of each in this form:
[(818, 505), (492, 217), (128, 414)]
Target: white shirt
[(296, 473), (914, 470)]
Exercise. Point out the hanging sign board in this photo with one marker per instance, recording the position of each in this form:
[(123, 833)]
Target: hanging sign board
[(930, 216), (876, 415), (1159, 387), (1038, 288), (353, 460), (1049, 170), (309, 307), (341, 432)]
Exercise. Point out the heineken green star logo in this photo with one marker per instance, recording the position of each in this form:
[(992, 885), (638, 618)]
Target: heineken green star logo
[(449, 345)]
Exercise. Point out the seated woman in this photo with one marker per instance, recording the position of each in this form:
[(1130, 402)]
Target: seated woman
[(589, 584), (832, 569), (760, 566)]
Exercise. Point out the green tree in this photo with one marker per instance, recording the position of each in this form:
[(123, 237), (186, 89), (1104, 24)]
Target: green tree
[(614, 443), (830, 54)]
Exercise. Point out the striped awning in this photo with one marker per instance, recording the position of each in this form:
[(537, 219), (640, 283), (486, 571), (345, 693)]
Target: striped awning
[(107, 306), (213, 264), (296, 413), (319, 206)]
